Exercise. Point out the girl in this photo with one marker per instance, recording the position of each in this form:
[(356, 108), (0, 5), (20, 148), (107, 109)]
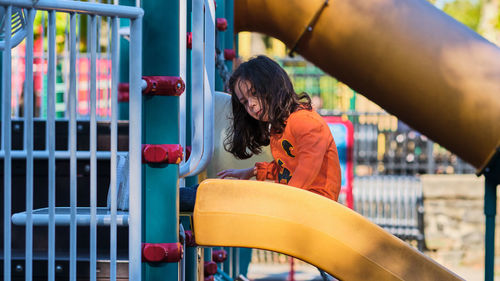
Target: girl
[(267, 111)]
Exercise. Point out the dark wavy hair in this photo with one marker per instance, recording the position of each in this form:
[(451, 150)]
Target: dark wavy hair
[(273, 88)]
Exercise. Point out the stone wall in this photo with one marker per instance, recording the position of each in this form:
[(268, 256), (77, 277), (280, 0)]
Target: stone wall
[(454, 219)]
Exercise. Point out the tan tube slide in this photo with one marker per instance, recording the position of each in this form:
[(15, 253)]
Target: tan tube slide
[(407, 56)]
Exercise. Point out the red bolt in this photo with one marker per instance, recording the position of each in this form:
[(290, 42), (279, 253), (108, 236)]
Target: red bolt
[(189, 40), (209, 278), (188, 152), (162, 252), (221, 24), (229, 54), (219, 255), (210, 268), (162, 153), (123, 92), (164, 85), (190, 241)]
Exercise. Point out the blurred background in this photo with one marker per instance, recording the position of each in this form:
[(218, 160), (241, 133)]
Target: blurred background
[(402, 180)]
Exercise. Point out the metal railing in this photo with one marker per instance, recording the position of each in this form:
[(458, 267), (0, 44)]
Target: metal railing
[(393, 202), (383, 145), (67, 235)]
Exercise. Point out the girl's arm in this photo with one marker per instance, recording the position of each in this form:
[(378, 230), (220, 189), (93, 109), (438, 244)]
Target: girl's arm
[(266, 171), (312, 140), (242, 174)]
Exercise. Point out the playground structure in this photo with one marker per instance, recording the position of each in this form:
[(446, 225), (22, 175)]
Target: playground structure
[(451, 97)]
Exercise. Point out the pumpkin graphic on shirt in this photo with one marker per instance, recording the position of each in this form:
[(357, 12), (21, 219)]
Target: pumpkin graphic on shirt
[(288, 147), (284, 175)]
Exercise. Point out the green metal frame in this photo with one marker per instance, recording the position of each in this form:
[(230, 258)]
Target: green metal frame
[(492, 180), (123, 107), (160, 126)]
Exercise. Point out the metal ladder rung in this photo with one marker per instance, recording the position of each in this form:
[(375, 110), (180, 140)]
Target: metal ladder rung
[(62, 216)]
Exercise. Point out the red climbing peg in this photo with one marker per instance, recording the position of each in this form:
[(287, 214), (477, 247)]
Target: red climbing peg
[(123, 92), (189, 40), (162, 252), (190, 241), (221, 24), (210, 268), (229, 54), (163, 85), (219, 255), (162, 153)]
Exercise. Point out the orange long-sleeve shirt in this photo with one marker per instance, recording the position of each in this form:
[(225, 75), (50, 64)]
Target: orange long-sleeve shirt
[(305, 156)]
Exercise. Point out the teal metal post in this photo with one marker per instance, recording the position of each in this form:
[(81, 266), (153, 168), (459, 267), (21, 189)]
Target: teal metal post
[(230, 37), (229, 44), (227, 265), (160, 126), (123, 106), (492, 180), (220, 42), (190, 254)]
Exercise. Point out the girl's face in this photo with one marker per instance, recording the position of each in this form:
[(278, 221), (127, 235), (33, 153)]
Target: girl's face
[(251, 103)]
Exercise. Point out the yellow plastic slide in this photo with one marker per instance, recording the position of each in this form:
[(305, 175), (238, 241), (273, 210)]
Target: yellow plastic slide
[(299, 223)]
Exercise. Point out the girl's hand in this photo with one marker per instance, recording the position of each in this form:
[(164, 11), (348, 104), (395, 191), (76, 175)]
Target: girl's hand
[(242, 174)]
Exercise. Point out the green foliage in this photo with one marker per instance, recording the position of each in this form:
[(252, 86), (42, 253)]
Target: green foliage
[(42, 20), (467, 12)]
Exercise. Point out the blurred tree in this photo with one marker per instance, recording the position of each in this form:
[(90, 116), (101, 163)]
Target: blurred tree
[(467, 12), (489, 22), (482, 16)]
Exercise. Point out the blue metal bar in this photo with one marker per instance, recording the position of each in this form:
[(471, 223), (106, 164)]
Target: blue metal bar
[(193, 168), (93, 148), (114, 144), (490, 210), (63, 217), (51, 144), (6, 145), (208, 86), (106, 10), (135, 133), (72, 145), (197, 110), (41, 154), (28, 143)]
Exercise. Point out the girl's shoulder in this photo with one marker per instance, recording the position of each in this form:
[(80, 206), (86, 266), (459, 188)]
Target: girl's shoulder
[(304, 114), (305, 118)]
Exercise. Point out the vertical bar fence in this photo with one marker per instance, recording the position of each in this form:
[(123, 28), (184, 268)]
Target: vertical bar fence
[(66, 161)]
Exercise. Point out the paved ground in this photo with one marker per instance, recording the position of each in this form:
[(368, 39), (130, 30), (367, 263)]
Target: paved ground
[(305, 272)]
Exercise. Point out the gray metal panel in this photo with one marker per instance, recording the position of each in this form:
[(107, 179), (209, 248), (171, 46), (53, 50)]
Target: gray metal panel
[(222, 159)]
